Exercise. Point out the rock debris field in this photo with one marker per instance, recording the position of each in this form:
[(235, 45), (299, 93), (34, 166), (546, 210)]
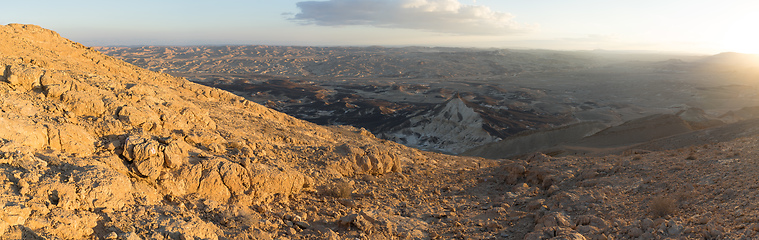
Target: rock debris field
[(94, 148)]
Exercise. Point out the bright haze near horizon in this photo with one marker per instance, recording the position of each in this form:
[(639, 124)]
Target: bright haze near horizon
[(685, 26)]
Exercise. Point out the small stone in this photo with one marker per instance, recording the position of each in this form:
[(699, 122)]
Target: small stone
[(112, 235), (110, 146), (659, 222), (537, 204), (348, 203), (369, 178), (510, 195), (553, 189), (292, 231), (647, 235), (331, 235), (131, 236), (675, 230), (520, 187), (754, 227), (302, 224), (635, 232), (647, 223), (348, 219)]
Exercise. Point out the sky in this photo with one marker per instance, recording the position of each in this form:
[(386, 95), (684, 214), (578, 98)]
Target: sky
[(692, 26)]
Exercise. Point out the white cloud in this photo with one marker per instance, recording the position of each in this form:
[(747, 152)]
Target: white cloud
[(445, 16)]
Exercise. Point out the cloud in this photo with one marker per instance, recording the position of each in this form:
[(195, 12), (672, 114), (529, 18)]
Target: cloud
[(445, 16)]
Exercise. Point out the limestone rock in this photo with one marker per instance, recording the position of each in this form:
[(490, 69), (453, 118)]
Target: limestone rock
[(19, 132), (103, 187), (555, 233), (267, 180), (235, 177), (55, 83), (23, 77), (592, 220), (84, 103), (554, 219), (174, 155), (71, 139), (139, 117), (66, 224), (188, 228), (211, 187), (13, 214), (190, 176), (146, 155), (367, 160), (149, 159)]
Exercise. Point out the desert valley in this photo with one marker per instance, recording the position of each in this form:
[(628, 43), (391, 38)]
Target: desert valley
[(274, 142)]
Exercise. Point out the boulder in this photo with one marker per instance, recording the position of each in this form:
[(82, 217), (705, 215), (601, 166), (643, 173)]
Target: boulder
[(103, 187), (148, 158), (13, 213), (84, 103), (211, 187), (235, 177), (372, 160), (65, 224), (267, 180), (555, 233), (139, 117), (22, 77), (147, 155), (174, 155), (554, 219), (18, 132), (70, 138), (55, 84)]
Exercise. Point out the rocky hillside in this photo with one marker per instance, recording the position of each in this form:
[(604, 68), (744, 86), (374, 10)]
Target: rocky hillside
[(95, 148), (86, 137)]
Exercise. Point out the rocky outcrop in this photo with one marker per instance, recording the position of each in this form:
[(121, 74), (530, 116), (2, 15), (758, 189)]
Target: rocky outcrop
[(451, 127), (18, 132), (366, 160), (71, 139), (22, 77)]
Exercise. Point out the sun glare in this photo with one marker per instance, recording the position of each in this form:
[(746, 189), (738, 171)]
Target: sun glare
[(742, 36)]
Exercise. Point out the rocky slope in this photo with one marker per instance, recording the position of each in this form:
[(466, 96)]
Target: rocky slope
[(95, 148), (86, 138)]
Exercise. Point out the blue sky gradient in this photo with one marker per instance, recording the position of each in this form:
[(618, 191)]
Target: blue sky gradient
[(698, 26)]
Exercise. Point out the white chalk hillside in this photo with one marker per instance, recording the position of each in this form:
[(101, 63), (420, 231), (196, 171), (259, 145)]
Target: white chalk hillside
[(453, 127)]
